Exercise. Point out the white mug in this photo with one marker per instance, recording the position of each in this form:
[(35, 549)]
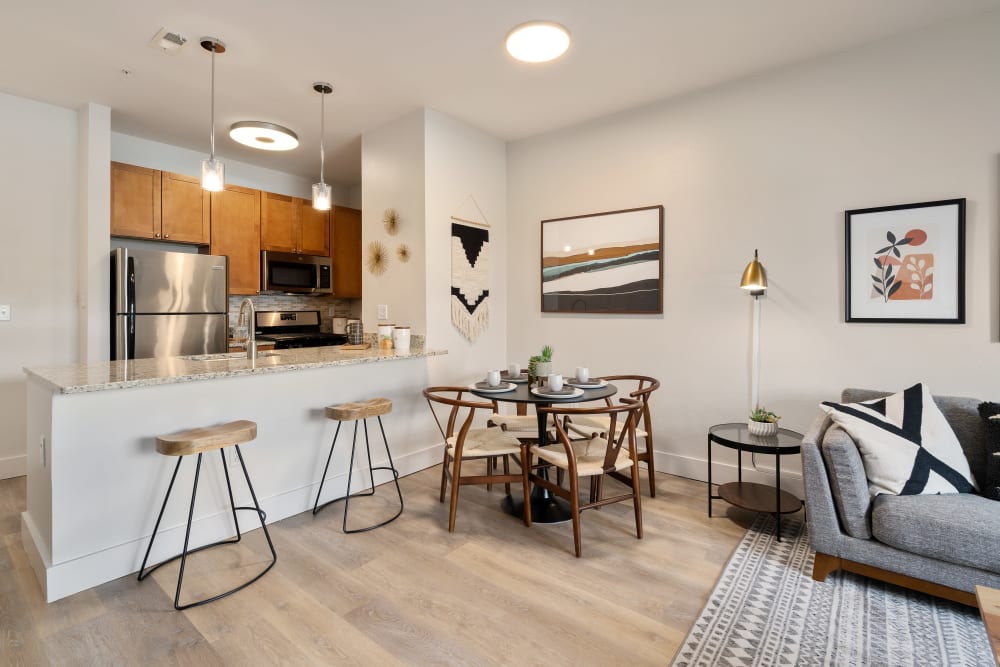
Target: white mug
[(514, 370), (493, 378), (582, 373), (556, 382)]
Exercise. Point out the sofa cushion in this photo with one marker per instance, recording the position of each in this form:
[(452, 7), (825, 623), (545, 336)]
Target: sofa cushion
[(906, 444), (958, 528), (847, 482), (990, 412)]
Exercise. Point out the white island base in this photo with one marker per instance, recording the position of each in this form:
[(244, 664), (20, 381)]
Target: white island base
[(96, 482)]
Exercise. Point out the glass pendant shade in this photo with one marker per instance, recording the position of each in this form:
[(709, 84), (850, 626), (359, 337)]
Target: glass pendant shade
[(213, 175), (321, 197)]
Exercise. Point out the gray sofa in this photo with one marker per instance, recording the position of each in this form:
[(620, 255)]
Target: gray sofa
[(939, 544)]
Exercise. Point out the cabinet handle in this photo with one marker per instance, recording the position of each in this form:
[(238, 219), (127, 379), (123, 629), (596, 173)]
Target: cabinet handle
[(157, 235), (166, 236)]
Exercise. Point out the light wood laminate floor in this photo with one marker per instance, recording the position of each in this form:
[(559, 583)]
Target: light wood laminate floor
[(492, 593)]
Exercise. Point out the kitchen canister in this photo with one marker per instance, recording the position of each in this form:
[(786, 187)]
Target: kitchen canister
[(385, 336), (401, 339), (355, 332)]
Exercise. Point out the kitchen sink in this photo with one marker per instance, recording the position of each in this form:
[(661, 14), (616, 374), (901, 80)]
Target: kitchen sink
[(227, 355)]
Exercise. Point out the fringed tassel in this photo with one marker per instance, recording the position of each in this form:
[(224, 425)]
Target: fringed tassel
[(470, 325)]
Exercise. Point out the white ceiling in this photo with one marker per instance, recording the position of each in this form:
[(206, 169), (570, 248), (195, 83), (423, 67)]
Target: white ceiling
[(386, 58)]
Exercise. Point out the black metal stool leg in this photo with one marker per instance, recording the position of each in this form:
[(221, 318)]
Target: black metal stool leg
[(392, 467), (156, 527), (322, 480), (187, 551)]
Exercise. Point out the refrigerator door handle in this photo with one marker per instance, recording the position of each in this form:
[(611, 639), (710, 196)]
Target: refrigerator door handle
[(130, 309)]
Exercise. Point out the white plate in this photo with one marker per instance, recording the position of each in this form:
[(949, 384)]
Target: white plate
[(499, 389), (577, 392), (589, 384), (519, 379)]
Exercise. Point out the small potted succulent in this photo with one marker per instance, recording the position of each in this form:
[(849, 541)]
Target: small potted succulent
[(763, 422), (540, 365)]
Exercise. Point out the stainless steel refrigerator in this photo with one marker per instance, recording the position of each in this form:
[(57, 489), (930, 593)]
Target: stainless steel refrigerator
[(167, 304)]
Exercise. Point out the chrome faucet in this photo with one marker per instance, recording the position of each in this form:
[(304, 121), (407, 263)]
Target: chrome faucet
[(251, 339)]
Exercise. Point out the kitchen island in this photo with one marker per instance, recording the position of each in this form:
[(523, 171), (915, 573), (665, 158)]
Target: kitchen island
[(95, 481)]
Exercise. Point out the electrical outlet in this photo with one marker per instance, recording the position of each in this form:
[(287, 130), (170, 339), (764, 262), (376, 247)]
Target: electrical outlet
[(4, 312), (383, 311), (332, 311)]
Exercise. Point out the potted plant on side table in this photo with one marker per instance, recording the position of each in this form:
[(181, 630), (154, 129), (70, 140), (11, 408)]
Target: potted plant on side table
[(763, 422)]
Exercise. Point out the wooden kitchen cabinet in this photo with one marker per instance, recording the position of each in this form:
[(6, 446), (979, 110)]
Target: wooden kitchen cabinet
[(345, 234), (135, 201), (314, 230), (159, 205), (185, 209), (291, 224), (236, 234)]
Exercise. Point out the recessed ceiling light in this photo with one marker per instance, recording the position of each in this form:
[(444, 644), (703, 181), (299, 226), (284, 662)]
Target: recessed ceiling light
[(263, 135), (537, 41)]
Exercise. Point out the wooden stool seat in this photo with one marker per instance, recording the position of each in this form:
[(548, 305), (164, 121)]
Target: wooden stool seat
[(347, 412), (206, 439)]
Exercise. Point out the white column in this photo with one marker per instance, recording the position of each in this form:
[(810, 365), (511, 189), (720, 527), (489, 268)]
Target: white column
[(94, 204)]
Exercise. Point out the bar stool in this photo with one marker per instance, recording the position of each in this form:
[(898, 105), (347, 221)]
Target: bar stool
[(360, 411), (198, 441)]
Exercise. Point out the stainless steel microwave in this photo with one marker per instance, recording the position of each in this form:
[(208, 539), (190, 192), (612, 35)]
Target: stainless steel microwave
[(295, 274)]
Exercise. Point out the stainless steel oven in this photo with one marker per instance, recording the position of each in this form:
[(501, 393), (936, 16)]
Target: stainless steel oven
[(295, 274)]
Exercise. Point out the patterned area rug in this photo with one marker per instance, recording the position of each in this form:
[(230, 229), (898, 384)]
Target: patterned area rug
[(767, 610)]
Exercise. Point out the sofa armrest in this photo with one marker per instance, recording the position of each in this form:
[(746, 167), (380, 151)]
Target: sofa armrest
[(824, 527)]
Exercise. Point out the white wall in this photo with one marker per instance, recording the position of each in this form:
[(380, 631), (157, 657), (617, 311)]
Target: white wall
[(463, 162), (392, 171), (772, 162), (94, 221), (38, 258)]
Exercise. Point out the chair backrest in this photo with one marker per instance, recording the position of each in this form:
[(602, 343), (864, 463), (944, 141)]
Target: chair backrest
[(627, 413), (454, 398), (644, 386)]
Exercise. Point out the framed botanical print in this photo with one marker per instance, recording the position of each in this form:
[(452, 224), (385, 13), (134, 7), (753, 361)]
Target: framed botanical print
[(604, 262), (906, 263)]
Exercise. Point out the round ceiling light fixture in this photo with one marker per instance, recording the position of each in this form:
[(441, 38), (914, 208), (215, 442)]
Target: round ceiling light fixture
[(263, 135), (537, 41)]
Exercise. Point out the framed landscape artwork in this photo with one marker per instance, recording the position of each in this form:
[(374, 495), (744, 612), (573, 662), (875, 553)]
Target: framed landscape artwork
[(906, 263), (604, 262)]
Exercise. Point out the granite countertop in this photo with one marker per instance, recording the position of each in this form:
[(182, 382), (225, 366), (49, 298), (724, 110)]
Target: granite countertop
[(105, 375)]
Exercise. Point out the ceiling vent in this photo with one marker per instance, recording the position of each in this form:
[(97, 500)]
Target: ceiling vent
[(166, 41)]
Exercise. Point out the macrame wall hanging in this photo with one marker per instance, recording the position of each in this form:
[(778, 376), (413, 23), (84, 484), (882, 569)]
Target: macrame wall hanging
[(470, 273)]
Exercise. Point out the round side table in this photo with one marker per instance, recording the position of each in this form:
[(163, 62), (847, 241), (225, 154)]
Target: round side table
[(750, 495)]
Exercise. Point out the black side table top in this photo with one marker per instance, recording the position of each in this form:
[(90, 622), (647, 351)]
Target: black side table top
[(738, 436)]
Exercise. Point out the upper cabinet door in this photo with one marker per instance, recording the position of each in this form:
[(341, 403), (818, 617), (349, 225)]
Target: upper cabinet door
[(135, 201), (278, 223), (346, 230), (236, 234), (186, 209), (314, 230)]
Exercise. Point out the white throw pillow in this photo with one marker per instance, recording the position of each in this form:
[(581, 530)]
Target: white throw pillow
[(906, 444)]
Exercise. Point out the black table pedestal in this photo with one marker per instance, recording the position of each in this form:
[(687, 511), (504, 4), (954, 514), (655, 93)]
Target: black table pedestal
[(545, 507)]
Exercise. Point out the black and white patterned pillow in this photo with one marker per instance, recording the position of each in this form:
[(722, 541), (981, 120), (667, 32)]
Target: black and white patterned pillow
[(906, 444), (990, 412)]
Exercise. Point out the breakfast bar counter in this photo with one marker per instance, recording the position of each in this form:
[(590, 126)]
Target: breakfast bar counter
[(95, 481)]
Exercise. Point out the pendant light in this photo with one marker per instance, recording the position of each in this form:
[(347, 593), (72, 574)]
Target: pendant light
[(213, 171), (321, 191)]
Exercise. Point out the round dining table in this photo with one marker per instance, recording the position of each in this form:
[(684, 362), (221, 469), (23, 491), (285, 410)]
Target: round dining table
[(545, 507)]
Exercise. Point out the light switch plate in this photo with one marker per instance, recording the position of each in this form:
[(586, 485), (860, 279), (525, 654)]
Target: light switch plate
[(383, 311), (4, 312)]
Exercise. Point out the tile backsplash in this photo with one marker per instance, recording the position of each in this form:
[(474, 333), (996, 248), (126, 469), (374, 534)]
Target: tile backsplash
[(341, 307)]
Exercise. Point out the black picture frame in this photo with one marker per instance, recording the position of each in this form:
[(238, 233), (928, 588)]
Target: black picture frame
[(906, 263), (603, 263)]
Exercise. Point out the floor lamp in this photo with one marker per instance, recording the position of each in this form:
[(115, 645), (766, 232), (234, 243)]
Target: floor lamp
[(755, 281)]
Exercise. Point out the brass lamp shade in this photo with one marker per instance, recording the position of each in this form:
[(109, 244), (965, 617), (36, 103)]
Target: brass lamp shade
[(754, 277)]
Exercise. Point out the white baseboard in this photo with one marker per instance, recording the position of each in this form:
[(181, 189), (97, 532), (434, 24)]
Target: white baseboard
[(13, 466), (59, 580)]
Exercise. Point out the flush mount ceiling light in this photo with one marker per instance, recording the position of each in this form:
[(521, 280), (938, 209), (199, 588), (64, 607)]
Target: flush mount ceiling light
[(321, 191), (263, 135), (213, 171), (537, 41)]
